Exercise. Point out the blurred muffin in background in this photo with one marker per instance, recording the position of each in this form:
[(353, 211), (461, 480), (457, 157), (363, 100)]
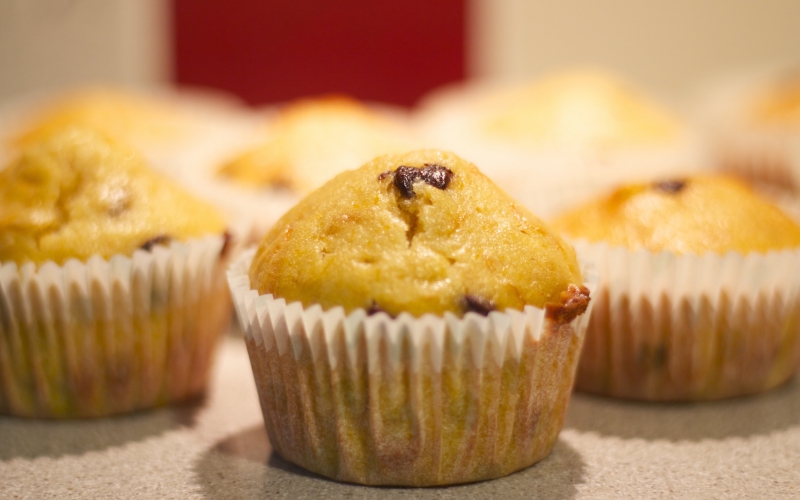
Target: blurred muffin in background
[(299, 146), (110, 281), (754, 123), (583, 130), (113, 111), (698, 297), (176, 130), (779, 104), (314, 139), (578, 110)]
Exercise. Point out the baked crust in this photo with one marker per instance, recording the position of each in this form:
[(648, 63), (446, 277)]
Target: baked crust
[(574, 302)]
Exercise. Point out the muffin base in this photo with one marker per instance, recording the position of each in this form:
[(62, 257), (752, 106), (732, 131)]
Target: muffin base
[(107, 337), (690, 328), (408, 401)]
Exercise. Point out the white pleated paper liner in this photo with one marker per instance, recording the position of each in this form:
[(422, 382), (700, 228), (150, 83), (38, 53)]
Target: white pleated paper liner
[(670, 327), (407, 401), (104, 337)]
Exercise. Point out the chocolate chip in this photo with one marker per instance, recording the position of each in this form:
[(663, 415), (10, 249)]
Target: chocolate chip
[(158, 240), (480, 305), (670, 186), (375, 309), (404, 178), (434, 175)]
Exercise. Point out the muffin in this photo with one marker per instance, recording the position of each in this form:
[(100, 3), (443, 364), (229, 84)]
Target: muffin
[(578, 110), (113, 111), (175, 130), (698, 297), (755, 124), (583, 124), (302, 144), (410, 324), (110, 281), (314, 139)]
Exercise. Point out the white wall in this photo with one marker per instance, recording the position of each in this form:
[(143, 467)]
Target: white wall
[(667, 45), (56, 43)]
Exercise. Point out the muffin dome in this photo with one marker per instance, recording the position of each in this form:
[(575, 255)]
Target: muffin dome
[(578, 109), (79, 194), (121, 114), (694, 215), (313, 140), (423, 232)]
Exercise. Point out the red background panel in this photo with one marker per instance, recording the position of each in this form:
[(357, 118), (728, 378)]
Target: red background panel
[(274, 50)]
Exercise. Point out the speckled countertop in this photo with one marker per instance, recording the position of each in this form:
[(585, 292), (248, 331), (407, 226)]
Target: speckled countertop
[(218, 449)]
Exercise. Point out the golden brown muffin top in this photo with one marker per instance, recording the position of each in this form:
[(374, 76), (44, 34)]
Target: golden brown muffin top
[(579, 109), (313, 140), (114, 112), (694, 215), (79, 194), (422, 232)]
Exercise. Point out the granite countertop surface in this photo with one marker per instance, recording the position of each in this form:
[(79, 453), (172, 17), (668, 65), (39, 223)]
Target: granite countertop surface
[(217, 449)]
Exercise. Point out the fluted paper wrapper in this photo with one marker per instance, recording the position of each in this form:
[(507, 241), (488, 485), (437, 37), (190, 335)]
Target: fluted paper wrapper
[(407, 401), (670, 327), (103, 337)]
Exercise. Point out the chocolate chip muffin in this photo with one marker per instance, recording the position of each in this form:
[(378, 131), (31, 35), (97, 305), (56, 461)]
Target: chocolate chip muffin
[(419, 233), (79, 194), (314, 139), (182, 133), (415, 326), (116, 112), (579, 109), (697, 300), (584, 128), (110, 282)]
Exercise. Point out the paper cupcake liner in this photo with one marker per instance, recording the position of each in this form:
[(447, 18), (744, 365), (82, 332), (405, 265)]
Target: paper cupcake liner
[(110, 336), (669, 327), (407, 401)]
